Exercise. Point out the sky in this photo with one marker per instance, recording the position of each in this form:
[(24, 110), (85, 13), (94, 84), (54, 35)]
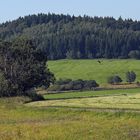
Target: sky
[(12, 9)]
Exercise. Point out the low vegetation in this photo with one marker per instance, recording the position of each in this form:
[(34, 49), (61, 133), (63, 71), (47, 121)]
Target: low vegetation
[(114, 79), (120, 101), (130, 76), (32, 123), (91, 69), (69, 84)]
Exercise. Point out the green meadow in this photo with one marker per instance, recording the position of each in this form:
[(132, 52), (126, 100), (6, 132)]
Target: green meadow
[(106, 99), (93, 70), (20, 121), (88, 115), (86, 94), (123, 101)]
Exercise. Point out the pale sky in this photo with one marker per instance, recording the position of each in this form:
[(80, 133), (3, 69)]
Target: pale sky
[(12, 9)]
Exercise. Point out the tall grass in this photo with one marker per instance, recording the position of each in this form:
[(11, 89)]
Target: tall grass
[(18, 122)]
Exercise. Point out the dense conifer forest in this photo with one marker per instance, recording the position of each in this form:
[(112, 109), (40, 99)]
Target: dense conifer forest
[(65, 36)]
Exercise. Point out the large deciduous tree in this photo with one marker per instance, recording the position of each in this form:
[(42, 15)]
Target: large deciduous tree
[(22, 67)]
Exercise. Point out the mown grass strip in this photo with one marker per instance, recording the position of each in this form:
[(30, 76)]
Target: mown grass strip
[(87, 94)]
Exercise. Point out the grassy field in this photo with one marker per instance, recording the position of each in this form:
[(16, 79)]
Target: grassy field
[(117, 99), (85, 94), (20, 122), (88, 115), (91, 69), (102, 102)]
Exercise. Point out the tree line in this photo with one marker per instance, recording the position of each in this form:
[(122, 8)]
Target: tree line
[(71, 37)]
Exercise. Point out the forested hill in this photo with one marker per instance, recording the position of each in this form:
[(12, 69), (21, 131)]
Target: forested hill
[(65, 36)]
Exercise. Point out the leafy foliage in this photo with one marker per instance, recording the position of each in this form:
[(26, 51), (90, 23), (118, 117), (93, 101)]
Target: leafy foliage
[(65, 36), (22, 67), (130, 76), (68, 84), (3, 86), (114, 79), (134, 54)]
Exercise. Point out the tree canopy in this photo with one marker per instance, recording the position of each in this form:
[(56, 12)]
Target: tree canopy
[(22, 67), (65, 36)]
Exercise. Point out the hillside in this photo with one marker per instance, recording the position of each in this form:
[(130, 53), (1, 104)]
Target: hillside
[(92, 69), (65, 36)]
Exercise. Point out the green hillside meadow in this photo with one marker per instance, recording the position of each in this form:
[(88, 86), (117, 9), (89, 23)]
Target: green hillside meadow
[(93, 70)]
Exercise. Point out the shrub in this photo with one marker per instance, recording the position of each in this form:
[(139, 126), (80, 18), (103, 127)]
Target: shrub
[(117, 79), (34, 96), (114, 80), (134, 54), (68, 84), (77, 84), (90, 84), (66, 87), (55, 88), (130, 77)]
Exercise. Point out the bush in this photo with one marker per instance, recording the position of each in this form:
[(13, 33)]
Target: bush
[(114, 80), (77, 84), (68, 84), (130, 77), (66, 87), (117, 79), (55, 88), (34, 96), (90, 84), (134, 54)]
